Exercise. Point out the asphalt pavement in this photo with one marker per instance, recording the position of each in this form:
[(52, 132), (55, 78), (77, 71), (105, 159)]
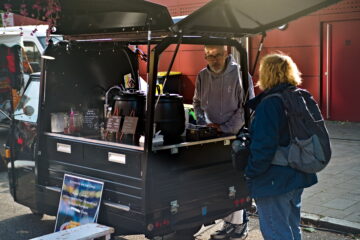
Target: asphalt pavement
[(335, 201), (331, 208)]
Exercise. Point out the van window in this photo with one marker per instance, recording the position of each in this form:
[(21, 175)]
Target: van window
[(33, 55), (55, 40), (29, 98)]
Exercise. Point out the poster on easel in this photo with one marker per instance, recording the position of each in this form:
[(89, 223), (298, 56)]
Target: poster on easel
[(79, 202)]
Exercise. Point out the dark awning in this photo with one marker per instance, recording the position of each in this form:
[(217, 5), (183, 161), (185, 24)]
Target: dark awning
[(237, 18), (94, 16), (100, 16)]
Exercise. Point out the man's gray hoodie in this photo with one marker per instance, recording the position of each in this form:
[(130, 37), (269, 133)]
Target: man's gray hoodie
[(218, 97)]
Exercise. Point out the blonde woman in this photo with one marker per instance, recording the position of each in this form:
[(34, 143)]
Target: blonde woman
[(276, 189)]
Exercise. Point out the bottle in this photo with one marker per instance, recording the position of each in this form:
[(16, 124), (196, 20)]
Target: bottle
[(71, 121), (66, 123)]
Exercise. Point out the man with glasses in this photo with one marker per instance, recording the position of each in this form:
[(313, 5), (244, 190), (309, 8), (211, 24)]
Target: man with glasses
[(218, 103)]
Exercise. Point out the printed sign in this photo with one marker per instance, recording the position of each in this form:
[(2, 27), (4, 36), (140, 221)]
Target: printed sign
[(91, 121), (79, 202), (129, 81), (113, 124), (129, 125)]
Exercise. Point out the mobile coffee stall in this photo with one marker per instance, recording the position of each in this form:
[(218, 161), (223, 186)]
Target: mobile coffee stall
[(90, 126)]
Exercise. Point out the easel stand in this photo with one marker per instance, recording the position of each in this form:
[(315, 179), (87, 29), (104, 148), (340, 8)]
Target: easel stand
[(83, 232)]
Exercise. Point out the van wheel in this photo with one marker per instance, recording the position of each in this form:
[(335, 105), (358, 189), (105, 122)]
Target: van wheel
[(36, 213)]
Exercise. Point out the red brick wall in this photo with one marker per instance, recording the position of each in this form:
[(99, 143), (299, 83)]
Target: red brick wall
[(189, 61), (22, 21), (302, 41)]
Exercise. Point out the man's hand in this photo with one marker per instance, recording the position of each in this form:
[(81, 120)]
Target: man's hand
[(214, 125)]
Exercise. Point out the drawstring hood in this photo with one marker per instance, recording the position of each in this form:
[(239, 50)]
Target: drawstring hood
[(218, 97)]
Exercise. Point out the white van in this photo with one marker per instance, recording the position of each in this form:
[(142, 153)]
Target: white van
[(32, 39)]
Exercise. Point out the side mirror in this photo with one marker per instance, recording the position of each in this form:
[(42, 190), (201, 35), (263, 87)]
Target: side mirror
[(28, 110)]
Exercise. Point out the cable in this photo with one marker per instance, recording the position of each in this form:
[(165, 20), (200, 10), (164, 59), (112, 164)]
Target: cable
[(132, 69)]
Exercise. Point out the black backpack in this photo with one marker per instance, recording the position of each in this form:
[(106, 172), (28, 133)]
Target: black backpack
[(240, 149), (309, 150)]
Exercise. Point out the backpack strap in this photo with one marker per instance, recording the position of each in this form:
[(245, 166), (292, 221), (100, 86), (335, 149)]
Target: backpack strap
[(285, 96), (273, 95), (279, 95), (280, 157)]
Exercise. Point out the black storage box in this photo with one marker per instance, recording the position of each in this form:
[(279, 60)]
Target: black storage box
[(200, 132)]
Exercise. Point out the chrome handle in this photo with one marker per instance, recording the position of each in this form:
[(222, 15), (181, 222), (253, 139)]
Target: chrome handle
[(54, 189), (65, 148), (117, 206), (117, 157)]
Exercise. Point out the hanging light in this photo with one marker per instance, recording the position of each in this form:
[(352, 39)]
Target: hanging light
[(283, 27)]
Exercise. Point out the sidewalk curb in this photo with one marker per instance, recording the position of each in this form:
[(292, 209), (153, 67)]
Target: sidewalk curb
[(331, 223)]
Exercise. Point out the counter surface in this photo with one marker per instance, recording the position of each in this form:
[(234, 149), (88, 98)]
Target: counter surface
[(226, 140)]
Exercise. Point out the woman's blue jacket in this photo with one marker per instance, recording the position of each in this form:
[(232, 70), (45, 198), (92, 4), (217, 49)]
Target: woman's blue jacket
[(269, 129)]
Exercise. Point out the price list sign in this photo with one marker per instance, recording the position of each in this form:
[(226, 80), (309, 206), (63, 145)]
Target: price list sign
[(129, 125), (113, 124), (91, 120)]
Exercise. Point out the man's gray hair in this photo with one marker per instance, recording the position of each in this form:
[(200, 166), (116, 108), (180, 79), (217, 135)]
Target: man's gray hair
[(224, 47)]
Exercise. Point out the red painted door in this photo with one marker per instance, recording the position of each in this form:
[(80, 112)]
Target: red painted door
[(341, 71)]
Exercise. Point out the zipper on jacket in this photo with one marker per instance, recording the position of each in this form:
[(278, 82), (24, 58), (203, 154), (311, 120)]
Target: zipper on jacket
[(221, 95)]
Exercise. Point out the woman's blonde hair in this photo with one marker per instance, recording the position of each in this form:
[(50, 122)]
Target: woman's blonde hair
[(277, 68)]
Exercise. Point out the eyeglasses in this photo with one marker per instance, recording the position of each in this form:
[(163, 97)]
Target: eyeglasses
[(213, 57)]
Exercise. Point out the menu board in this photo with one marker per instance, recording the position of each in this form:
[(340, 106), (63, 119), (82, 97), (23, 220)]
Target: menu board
[(129, 125), (113, 124), (91, 120), (79, 202)]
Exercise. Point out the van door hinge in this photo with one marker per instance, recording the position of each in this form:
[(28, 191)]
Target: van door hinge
[(232, 192), (174, 207), (174, 150)]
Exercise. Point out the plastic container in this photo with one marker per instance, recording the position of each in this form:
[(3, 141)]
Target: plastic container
[(75, 122), (58, 122)]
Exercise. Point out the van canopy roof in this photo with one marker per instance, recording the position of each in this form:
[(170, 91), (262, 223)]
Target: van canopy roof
[(225, 18), (238, 18), (99, 16), (103, 16)]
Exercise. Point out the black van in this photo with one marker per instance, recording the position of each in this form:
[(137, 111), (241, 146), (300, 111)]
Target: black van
[(150, 188)]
